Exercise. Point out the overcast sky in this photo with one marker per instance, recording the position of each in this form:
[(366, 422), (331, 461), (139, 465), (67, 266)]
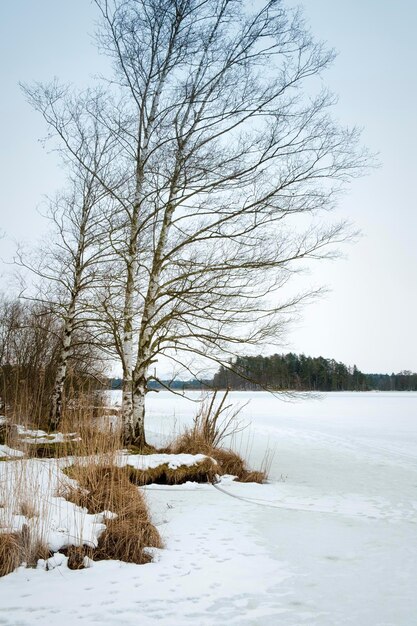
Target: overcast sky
[(369, 317)]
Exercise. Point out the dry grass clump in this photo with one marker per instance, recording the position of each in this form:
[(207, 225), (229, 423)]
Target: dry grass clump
[(20, 547), (86, 429), (212, 425), (146, 449), (231, 463), (76, 556), (203, 471), (27, 509), (126, 537), (228, 461), (22, 538), (10, 552), (52, 450), (32, 548), (108, 488)]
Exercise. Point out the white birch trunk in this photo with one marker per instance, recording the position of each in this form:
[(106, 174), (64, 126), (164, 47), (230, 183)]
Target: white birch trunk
[(127, 404), (127, 397), (133, 401), (55, 414), (127, 400), (61, 374), (146, 329), (138, 431)]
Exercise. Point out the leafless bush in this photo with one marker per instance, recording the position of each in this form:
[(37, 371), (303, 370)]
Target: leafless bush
[(213, 426), (30, 339)]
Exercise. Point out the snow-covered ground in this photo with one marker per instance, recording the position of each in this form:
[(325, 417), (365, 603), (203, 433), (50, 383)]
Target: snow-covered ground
[(330, 541)]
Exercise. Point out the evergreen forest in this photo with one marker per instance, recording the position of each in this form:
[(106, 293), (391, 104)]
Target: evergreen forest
[(304, 373)]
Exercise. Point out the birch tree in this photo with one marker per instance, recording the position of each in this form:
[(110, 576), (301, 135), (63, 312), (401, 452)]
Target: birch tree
[(227, 154), (68, 266), (230, 145)]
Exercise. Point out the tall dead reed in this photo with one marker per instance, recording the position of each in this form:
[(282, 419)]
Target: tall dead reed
[(214, 424)]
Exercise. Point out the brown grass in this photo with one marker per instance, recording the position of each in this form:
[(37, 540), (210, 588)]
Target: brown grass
[(228, 461), (10, 552), (52, 450), (212, 425), (76, 555), (86, 426), (108, 488), (27, 509), (32, 548), (147, 449), (201, 472), (18, 548)]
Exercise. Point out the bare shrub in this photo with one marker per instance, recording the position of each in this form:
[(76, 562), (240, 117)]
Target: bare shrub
[(212, 426), (30, 344)]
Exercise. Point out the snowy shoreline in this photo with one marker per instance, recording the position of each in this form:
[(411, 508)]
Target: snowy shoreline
[(329, 541)]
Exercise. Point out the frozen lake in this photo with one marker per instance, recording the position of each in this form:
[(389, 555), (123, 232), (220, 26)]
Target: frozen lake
[(383, 425), (341, 510)]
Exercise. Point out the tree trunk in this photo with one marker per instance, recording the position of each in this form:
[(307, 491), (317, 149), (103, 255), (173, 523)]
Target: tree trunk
[(138, 430), (127, 409), (55, 414), (127, 397), (134, 428)]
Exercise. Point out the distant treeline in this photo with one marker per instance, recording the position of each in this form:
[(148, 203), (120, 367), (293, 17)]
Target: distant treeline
[(304, 373), (117, 383)]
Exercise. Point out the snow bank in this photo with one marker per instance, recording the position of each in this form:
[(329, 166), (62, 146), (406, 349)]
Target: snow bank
[(6, 452), (30, 491), (29, 497), (40, 436), (150, 461)]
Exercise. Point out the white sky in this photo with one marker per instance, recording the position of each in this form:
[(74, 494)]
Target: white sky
[(369, 317)]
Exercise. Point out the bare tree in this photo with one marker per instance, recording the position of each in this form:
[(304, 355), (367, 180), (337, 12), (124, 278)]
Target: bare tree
[(69, 266), (30, 353), (230, 152)]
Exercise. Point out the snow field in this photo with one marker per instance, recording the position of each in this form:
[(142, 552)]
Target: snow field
[(330, 541)]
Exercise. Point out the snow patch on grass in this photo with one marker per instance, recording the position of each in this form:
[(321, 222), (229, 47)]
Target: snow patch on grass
[(6, 452)]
